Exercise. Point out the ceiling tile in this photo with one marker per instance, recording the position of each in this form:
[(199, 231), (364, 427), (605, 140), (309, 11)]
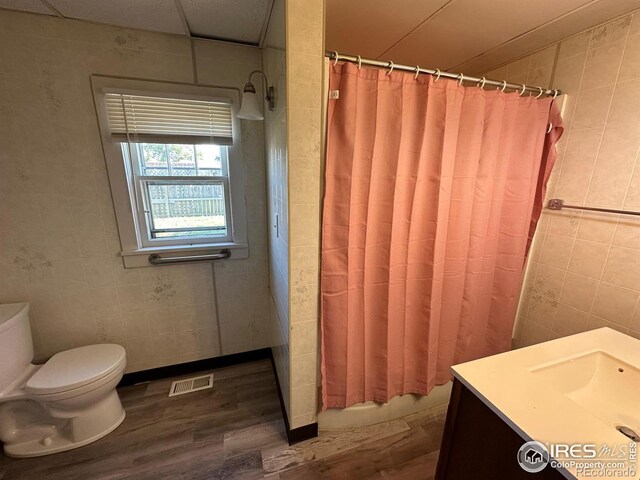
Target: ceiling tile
[(157, 15), (35, 6), (589, 16), (467, 28), (369, 27), (238, 20)]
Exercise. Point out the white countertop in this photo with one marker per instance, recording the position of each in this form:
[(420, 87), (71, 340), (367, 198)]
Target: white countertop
[(508, 384)]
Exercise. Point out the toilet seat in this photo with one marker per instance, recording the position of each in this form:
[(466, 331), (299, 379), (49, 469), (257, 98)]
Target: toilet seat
[(76, 368)]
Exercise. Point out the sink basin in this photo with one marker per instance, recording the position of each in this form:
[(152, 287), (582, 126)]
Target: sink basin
[(577, 390), (602, 384)]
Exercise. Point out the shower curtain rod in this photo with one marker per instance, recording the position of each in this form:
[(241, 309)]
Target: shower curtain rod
[(539, 91)]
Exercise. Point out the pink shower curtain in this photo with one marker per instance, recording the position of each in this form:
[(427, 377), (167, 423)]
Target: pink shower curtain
[(432, 193)]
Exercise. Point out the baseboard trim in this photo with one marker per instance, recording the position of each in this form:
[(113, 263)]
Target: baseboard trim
[(303, 433), (193, 367), (295, 435), (285, 417)]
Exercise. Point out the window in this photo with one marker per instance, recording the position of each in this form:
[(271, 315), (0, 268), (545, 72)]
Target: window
[(182, 192), (175, 166)]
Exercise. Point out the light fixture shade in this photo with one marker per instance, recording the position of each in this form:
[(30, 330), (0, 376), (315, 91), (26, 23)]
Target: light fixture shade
[(249, 109)]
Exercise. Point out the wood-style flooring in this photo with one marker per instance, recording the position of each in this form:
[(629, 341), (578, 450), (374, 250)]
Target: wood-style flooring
[(235, 431)]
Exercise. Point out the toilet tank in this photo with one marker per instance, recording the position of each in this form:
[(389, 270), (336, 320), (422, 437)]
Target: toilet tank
[(16, 345)]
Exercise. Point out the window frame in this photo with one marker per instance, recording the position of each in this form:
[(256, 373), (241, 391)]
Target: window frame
[(135, 238)]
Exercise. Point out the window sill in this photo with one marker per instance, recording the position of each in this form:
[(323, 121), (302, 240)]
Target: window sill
[(140, 257)]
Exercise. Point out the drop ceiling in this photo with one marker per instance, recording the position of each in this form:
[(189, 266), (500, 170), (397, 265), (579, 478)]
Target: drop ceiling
[(470, 36), (233, 20)]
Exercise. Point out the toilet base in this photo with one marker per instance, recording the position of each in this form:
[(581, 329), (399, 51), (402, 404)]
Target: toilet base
[(58, 443)]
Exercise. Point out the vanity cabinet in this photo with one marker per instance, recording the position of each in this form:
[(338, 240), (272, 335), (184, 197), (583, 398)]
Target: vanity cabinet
[(479, 445)]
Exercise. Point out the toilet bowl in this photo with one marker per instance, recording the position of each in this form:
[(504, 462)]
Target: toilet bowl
[(66, 403)]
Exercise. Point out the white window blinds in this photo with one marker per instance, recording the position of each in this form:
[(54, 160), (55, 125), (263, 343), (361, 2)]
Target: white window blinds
[(148, 119)]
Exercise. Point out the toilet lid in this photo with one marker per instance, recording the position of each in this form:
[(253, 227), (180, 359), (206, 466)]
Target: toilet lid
[(75, 368)]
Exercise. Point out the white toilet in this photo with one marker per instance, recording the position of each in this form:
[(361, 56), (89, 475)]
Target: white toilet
[(68, 402)]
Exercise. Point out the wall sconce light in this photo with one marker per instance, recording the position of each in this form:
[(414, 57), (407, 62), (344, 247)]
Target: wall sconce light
[(249, 109)]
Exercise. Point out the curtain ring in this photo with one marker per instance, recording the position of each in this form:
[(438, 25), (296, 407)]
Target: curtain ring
[(390, 68), (460, 79), (504, 85), (359, 62), (481, 83), (438, 72), (555, 94), (335, 58), (524, 87), (541, 92), (550, 127), (415, 77)]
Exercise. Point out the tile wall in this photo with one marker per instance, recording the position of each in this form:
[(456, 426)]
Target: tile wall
[(59, 245), (294, 56), (584, 268), (274, 63), (305, 61)]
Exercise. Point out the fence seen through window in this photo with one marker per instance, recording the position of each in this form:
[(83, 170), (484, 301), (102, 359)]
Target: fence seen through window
[(184, 189)]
